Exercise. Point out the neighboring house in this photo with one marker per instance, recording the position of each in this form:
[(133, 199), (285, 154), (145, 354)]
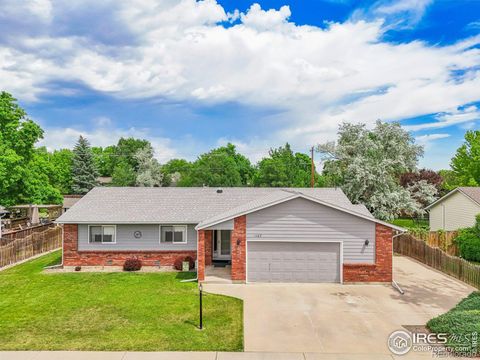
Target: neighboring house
[(104, 180), (69, 201), (265, 234), (455, 210)]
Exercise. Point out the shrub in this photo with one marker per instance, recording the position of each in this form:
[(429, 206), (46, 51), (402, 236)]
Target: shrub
[(178, 264), (468, 242), (132, 264), (460, 322), (471, 302)]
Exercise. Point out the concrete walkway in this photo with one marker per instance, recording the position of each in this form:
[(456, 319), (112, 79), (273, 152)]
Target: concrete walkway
[(342, 319), (87, 355)]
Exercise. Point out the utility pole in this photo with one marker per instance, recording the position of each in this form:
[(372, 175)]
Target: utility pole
[(312, 176)]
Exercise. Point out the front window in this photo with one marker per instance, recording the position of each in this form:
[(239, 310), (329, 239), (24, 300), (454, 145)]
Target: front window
[(174, 234), (102, 234)]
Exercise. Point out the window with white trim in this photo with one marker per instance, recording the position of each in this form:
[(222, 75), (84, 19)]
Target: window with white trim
[(104, 234), (175, 234)]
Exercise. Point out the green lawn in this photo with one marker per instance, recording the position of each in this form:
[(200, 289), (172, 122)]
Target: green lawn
[(410, 223), (115, 311), (460, 322)]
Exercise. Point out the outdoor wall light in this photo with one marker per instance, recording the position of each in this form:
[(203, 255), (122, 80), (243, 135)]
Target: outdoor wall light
[(367, 242), (238, 242)]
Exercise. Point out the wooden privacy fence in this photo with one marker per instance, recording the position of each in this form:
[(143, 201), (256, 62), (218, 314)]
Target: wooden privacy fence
[(433, 256), (18, 249), (19, 234), (441, 239)]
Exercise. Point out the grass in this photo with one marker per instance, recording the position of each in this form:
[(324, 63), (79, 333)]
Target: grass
[(460, 322), (411, 223), (112, 311)]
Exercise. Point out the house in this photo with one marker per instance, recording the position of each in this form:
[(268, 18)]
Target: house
[(455, 210), (264, 234), (69, 201)]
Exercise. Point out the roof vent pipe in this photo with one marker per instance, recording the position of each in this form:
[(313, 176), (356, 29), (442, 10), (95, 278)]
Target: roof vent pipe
[(219, 191)]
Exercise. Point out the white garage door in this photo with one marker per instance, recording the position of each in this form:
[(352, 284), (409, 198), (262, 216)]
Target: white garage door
[(293, 262)]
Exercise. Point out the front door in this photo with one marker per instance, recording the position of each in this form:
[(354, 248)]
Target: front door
[(221, 245)]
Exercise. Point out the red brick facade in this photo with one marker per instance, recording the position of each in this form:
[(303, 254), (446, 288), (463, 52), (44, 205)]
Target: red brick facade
[(205, 252), (381, 271), (73, 257), (238, 248), (208, 247)]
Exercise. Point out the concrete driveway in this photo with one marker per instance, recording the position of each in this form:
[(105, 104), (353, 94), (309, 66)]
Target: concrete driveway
[(341, 319)]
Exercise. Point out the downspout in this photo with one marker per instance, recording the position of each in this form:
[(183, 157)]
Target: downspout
[(196, 262), (394, 283)]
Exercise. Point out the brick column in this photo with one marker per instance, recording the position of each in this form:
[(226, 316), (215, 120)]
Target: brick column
[(201, 255), (70, 244), (208, 247), (383, 252), (238, 248)]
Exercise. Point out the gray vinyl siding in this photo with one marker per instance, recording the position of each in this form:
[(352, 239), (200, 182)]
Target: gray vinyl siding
[(301, 220), (226, 225), (125, 240), (454, 212)]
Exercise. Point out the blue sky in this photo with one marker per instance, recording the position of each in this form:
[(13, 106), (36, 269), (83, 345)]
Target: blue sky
[(190, 76)]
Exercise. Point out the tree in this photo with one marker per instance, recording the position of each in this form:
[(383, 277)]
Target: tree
[(450, 181), (149, 170), (62, 162), (422, 193), (105, 159), (368, 164), (84, 171), (123, 174), (424, 187), (466, 161), (430, 176), (23, 174), (127, 148), (39, 181), (283, 168), (220, 167), (176, 172)]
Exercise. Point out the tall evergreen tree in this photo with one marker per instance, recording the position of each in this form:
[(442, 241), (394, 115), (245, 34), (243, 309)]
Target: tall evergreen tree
[(84, 170)]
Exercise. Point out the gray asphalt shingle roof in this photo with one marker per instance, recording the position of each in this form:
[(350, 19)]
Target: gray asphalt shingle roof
[(471, 192), (183, 205)]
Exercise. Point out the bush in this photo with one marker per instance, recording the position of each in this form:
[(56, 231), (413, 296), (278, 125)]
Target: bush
[(178, 264), (132, 265), (460, 322), (468, 242), (471, 302)]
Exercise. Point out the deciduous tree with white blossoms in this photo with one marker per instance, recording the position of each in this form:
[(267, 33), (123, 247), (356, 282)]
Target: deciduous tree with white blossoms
[(367, 165), (149, 170)]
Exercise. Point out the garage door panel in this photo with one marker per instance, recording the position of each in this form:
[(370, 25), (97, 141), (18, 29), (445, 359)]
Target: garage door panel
[(293, 262)]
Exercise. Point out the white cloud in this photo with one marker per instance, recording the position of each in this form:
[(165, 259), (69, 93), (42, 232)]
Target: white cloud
[(464, 116), (429, 139), (260, 19), (318, 78), (61, 138), (395, 13), (39, 9)]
